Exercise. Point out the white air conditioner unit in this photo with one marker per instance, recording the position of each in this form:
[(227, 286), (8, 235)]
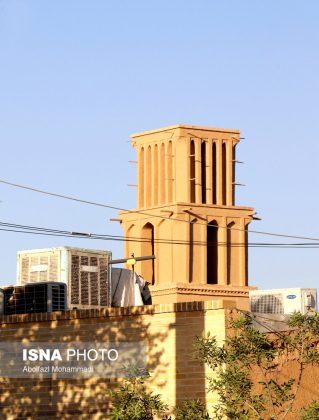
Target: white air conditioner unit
[(85, 272), (283, 301)]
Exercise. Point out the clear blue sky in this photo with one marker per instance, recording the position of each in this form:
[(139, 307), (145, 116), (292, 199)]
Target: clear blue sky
[(77, 77)]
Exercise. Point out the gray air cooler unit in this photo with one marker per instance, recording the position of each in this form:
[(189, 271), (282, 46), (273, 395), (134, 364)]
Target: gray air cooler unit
[(35, 297), (84, 271)]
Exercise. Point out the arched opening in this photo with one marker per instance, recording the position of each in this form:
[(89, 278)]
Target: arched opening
[(224, 174), (214, 168), (147, 247), (141, 178), (155, 175), (231, 254), (192, 172), (203, 170), (212, 253)]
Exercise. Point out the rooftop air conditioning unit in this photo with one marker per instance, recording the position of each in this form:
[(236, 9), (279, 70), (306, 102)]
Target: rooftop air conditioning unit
[(34, 297), (84, 271), (283, 301)]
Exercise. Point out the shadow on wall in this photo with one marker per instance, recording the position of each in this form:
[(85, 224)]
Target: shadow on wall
[(77, 398), (190, 374)]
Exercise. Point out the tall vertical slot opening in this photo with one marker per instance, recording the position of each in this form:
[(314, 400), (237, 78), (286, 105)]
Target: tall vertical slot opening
[(148, 266), (212, 253)]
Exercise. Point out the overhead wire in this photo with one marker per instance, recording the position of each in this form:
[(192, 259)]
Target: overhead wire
[(11, 227), (136, 211), (265, 326)]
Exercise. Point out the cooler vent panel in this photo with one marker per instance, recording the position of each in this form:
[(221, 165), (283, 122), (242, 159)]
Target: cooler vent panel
[(267, 304)]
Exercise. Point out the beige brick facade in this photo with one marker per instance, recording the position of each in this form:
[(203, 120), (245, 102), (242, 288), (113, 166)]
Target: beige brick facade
[(168, 330)]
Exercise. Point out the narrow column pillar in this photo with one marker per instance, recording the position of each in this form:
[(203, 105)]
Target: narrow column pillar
[(219, 172), (188, 172), (148, 176), (198, 172), (127, 250), (167, 173), (162, 172), (173, 172), (209, 172), (229, 173), (155, 175), (242, 269), (222, 253), (140, 177), (132, 246)]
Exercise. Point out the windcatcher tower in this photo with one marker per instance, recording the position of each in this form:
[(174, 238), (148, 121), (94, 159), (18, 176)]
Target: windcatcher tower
[(186, 215)]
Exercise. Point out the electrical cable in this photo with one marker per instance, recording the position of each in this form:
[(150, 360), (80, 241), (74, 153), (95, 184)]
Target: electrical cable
[(152, 215), (10, 227)]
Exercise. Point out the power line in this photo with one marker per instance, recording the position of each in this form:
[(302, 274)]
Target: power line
[(267, 327), (66, 197), (10, 227), (152, 215)]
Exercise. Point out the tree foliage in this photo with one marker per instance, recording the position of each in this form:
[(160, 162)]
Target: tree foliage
[(192, 410), (311, 412), (133, 402), (248, 353)]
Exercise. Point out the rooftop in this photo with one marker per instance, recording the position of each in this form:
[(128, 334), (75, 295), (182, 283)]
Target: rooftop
[(189, 127)]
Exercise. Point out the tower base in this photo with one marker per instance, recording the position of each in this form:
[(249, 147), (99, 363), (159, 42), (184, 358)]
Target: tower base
[(180, 292)]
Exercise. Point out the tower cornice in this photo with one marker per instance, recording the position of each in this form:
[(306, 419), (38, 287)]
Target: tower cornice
[(188, 127)]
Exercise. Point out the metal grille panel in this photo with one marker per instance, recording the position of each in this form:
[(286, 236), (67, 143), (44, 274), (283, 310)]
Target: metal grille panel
[(267, 304), (84, 271), (104, 295), (94, 283), (75, 276), (58, 298), (84, 282), (34, 298)]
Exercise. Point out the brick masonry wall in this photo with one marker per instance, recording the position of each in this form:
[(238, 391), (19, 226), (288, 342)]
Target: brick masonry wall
[(168, 330), (287, 369)]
